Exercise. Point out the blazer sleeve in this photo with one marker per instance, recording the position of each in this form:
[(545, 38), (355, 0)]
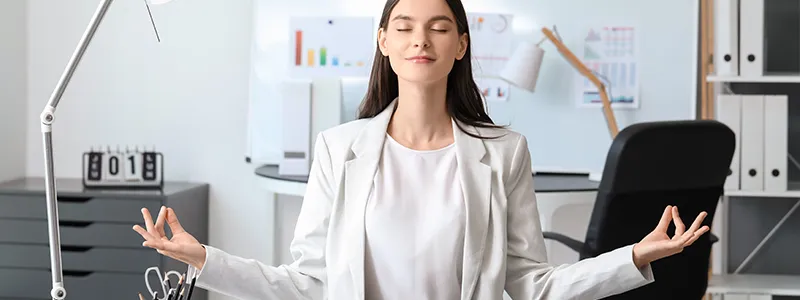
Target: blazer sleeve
[(529, 276), (305, 277)]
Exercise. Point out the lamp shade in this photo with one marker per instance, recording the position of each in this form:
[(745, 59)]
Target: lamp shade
[(522, 69)]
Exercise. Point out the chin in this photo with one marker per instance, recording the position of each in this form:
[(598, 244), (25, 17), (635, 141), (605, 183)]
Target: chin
[(424, 75)]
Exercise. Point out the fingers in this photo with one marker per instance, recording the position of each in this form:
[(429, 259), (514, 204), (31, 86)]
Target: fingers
[(154, 242), (146, 235), (666, 217), (690, 237), (174, 224), (697, 222), (697, 234), (159, 226), (679, 227), (148, 220)]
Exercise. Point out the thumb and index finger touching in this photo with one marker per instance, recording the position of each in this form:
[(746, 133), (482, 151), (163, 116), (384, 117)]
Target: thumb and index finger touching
[(154, 234), (681, 237), (156, 229)]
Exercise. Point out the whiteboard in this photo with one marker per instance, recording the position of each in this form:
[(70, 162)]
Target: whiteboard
[(561, 134), (270, 47)]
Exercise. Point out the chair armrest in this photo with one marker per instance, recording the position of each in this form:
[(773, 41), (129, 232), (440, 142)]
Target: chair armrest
[(713, 238), (567, 241)]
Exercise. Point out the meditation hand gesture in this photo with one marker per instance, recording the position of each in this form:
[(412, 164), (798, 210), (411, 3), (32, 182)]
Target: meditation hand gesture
[(183, 246), (658, 244)]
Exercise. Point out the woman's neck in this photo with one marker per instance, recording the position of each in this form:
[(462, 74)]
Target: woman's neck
[(421, 120)]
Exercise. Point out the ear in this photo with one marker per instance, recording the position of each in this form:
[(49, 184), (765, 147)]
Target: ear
[(463, 44), (382, 41)]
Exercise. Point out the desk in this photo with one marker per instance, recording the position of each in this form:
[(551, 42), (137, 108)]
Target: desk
[(562, 199)]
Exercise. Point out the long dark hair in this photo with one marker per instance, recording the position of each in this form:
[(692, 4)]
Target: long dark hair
[(464, 100)]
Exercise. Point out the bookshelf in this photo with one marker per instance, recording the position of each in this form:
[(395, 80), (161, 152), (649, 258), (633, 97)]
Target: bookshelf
[(753, 81)]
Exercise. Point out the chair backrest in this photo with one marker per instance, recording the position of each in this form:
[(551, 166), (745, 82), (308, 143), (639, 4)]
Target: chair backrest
[(649, 166)]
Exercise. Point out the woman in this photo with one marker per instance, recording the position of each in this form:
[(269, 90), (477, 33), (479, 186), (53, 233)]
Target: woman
[(422, 197)]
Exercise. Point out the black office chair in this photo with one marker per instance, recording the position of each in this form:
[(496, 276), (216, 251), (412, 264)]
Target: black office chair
[(649, 166)]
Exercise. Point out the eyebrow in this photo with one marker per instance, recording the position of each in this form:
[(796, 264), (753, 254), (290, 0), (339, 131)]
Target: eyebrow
[(434, 18)]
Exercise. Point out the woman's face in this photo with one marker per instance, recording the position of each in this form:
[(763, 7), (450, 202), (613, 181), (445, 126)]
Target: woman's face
[(422, 40)]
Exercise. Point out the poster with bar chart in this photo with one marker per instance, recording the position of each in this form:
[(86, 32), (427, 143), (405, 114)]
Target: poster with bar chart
[(331, 46), (492, 40), (611, 53)]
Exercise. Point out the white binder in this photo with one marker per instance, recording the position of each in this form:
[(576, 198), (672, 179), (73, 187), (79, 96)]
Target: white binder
[(726, 33), (296, 158), (751, 50), (326, 105), (729, 112), (776, 109), (752, 145)]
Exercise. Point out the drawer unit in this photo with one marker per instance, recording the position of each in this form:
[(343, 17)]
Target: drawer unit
[(36, 284), (72, 233), (78, 258), (102, 257), (95, 209)]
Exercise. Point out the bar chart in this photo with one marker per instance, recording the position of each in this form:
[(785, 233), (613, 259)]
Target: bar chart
[(341, 46), (610, 52)]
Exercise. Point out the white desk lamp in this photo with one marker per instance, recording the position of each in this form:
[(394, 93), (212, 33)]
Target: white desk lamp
[(522, 71), (47, 117)]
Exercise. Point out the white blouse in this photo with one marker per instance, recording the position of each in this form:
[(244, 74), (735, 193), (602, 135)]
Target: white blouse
[(415, 221)]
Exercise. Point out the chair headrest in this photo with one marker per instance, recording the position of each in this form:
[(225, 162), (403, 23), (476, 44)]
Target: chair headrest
[(669, 155)]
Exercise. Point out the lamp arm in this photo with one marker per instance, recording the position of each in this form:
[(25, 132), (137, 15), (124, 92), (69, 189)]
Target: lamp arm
[(47, 117), (611, 121)]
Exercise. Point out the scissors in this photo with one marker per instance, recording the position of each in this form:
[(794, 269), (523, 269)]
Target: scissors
[(162, 283)]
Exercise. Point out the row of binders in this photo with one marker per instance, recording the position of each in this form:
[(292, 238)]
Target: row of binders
[(760, 123), (739, 35)]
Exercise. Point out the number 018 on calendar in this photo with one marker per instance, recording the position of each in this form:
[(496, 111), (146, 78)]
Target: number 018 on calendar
[(123, 169)]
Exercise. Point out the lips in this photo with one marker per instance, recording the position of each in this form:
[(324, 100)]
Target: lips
[(421, 59)]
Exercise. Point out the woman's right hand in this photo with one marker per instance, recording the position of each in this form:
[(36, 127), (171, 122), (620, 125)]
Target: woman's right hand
[(182, 246)]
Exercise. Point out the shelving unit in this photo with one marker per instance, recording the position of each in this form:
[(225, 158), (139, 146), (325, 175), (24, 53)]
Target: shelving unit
[(754, 79), (753, 53), (792, 192), (756, 285)]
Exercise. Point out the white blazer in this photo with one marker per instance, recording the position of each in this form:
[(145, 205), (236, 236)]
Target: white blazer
[(503, 251)]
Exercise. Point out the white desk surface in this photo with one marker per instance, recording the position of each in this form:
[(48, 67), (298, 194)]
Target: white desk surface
[(755, 284), (271, 179)]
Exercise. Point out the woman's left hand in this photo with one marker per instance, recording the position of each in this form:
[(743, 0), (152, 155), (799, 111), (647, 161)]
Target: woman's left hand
[(658, 244)]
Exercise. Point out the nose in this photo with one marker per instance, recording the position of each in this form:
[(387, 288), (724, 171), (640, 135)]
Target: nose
[(421, 40)]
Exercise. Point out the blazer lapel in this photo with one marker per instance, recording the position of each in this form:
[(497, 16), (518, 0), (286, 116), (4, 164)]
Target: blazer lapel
[(476, 178), (358, 179)]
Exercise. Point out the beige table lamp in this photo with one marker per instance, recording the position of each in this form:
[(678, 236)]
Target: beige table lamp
[(522, 70)]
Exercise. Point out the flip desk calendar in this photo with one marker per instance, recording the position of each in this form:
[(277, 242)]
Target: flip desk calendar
[(129, 168)]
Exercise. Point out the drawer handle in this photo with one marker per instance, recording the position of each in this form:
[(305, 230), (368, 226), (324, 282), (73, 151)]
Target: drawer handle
[(75, 223), (72, 273), (75, 248), (74, 199)]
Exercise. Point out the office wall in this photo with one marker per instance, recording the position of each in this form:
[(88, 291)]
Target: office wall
[(560, 134), (13, 99), (186, 95)]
